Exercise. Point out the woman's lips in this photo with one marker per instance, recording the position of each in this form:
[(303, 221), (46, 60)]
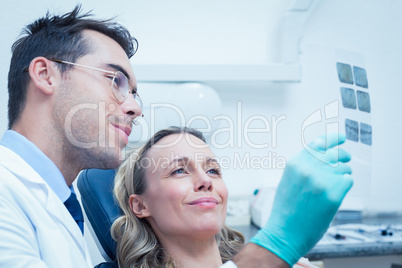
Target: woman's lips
[(207, 202)]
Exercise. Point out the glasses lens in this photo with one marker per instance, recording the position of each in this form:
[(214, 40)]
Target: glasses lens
[(120, 86)]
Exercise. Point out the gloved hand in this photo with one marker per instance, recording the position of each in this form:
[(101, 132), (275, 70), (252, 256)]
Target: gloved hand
[(311, 190)]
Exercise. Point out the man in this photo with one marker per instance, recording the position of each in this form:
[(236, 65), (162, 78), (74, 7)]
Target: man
[(62, 118), (72, 101)]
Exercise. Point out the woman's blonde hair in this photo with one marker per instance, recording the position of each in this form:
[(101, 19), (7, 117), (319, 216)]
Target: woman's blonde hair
[(137, 244)]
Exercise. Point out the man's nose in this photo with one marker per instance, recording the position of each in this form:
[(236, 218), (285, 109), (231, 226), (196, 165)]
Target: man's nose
[(131, 107)]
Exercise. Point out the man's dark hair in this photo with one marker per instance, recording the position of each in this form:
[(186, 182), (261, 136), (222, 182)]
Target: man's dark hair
[(59, 37)]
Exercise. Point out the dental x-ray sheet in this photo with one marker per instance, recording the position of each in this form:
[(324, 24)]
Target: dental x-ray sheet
[(338, 81)]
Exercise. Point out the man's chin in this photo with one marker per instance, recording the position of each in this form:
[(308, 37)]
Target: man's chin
[(113, 159)]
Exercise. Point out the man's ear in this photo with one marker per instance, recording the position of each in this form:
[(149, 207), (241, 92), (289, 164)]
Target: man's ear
[(43, 74), (138, 206)]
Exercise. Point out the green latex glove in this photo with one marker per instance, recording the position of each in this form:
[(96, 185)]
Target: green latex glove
[(311, 190)]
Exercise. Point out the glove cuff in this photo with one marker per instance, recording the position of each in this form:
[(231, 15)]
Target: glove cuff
[(276, 245)]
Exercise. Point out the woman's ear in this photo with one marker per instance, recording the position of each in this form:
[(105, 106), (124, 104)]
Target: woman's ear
[(43, 75), (138, 206)]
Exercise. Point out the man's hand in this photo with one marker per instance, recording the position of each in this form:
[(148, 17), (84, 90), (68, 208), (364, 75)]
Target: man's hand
[(312, 188)]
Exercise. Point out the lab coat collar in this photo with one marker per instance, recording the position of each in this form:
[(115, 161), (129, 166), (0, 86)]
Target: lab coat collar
[(42, 164), (42, 192)]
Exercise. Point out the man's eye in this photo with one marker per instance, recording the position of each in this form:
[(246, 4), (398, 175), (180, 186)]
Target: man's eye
[(117, 81)]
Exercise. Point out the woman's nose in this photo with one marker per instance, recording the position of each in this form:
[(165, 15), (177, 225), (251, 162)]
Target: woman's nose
[(202, 182)]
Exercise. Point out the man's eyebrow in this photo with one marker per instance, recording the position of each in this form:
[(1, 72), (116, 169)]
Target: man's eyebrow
[(119, 68)]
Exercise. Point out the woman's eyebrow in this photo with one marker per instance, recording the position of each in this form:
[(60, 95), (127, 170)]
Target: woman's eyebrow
[(185, 159), (179, 160), (212, 160)]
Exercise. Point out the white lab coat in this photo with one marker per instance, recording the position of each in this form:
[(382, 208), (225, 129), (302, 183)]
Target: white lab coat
[(36, 229)]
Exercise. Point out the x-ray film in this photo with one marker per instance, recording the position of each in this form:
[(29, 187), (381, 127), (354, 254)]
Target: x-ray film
[(348, 98), (352, 130), (342, 75), (366, 133), (360, 77), (345, 73), (363, 99)]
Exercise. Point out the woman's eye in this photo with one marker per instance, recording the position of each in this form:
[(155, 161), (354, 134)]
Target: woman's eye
[(214, 171), (179, 171)]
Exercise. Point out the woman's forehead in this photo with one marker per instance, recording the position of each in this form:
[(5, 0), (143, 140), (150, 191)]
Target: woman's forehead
[(183, 144)]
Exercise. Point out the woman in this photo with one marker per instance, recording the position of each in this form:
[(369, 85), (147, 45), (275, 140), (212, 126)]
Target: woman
[(174, 202)]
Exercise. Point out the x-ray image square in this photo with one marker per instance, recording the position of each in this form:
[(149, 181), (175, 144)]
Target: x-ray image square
[(360, 77), (345, 73), (348, 98), (363, 100), (366, 134), (352, 130)]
